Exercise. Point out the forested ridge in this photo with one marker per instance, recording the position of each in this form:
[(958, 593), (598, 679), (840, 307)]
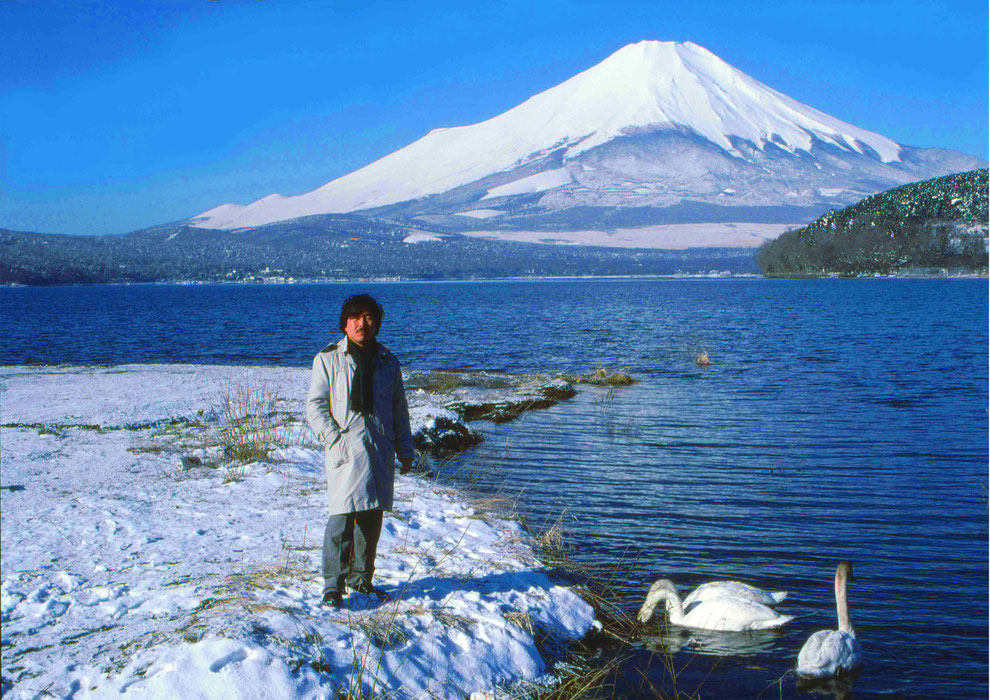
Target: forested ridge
[(934, 225)]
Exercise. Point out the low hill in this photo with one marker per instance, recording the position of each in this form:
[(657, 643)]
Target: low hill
[(936, 224)]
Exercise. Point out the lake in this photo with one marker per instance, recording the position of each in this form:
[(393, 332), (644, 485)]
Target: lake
[(839, 419)]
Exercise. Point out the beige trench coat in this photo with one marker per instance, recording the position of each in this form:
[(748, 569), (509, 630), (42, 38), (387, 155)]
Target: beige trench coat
[(360, 451)]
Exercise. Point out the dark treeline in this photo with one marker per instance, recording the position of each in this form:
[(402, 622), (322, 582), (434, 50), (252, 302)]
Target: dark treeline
[(939, 223), (882, 246)]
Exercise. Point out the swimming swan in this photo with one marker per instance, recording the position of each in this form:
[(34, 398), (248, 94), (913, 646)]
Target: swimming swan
[(724, 614), (831, 652), (733, 589)]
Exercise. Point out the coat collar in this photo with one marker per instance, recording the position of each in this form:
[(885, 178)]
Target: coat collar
[(340, 347)]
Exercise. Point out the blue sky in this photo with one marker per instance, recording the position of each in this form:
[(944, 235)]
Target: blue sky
[(119, 115)]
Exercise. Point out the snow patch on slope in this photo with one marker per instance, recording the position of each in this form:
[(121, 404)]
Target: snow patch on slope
[(480, 213), (422, 237), (540, 182)]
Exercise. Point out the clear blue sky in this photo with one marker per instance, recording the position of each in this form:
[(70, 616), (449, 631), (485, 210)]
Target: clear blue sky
[(119, 115)]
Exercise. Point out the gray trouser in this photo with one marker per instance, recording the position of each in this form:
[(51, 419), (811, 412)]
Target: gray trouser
[(349, 546)]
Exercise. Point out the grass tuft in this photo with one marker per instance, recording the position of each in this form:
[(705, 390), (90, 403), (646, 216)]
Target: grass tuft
[(249, 425), (383, 630)]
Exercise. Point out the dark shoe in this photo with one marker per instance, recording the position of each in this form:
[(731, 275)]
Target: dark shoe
[(333, 599), (367, 589)]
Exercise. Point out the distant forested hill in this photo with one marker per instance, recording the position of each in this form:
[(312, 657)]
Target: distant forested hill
[(936, 224), (327, 247)]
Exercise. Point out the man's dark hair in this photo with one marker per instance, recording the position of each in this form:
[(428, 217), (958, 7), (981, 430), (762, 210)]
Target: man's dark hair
[(358, 304)]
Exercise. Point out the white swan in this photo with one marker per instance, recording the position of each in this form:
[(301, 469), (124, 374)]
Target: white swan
[(733, 589), (831, 652), (724, 614)]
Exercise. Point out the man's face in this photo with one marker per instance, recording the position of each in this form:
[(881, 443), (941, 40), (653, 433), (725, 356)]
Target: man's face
[(361, 329)]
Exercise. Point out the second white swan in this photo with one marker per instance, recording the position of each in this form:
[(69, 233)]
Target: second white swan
[(832, 652), (721, 613)]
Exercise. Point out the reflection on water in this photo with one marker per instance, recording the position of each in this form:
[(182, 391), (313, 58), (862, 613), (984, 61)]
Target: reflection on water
[(672, 639), (839, 688)]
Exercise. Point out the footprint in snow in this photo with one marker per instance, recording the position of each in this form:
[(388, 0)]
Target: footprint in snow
[(233, 657)]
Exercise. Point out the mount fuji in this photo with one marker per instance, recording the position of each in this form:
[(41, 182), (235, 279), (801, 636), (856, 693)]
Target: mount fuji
[(660, 138)]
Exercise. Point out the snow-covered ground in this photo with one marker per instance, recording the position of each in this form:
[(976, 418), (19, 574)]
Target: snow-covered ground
[(664, 236), (136, 562)]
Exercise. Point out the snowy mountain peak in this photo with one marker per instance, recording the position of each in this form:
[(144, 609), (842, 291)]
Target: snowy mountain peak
[(657, 84), (646, 87)]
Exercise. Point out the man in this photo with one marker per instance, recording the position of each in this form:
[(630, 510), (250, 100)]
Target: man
[(357, 407)]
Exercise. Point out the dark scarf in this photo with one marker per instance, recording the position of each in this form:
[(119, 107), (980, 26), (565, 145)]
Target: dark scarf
[(362, 388)]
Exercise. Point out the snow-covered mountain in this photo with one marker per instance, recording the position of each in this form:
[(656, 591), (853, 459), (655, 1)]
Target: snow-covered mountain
[(659, 132)]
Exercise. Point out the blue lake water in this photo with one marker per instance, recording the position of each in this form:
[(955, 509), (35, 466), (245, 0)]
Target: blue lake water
[(839, 419)]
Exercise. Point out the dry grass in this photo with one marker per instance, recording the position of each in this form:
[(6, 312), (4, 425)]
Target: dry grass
[(452, 620), (382, 628), (147, 449), (520, 619), (551, 543), (440, 382), (447, 380), (249, 424), (580, 678)]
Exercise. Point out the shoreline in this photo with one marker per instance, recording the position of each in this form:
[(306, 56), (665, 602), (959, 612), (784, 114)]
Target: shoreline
[(725, 275), (156, 562), (382, 280)]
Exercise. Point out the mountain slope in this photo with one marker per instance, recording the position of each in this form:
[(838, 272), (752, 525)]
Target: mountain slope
[(653, 125), (938, 223)]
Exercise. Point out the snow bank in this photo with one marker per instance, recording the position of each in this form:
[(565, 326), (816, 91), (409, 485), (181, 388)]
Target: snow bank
[(126, 574)]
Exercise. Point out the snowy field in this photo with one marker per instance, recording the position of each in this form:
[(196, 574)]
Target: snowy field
[(664, 237), (137, 560)]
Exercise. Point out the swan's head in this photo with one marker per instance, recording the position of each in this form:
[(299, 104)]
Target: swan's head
[(663, 589)]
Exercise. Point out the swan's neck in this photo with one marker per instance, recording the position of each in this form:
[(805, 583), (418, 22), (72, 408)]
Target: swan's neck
[(842, 607), (675, 607)]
